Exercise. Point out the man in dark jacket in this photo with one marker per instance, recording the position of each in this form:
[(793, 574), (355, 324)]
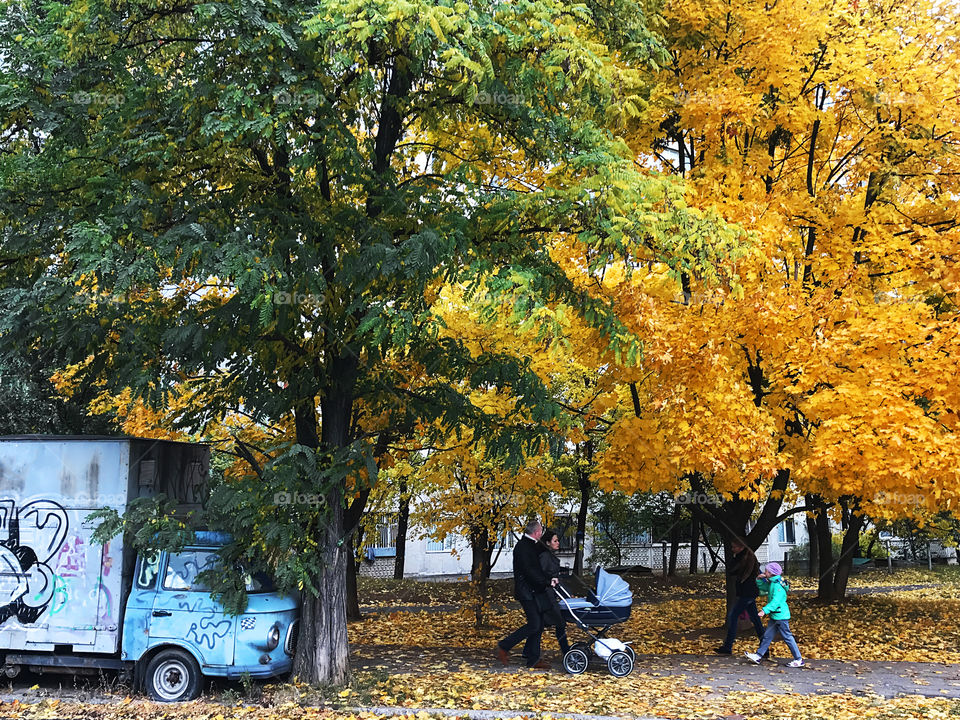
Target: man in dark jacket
[(529, 582), (744, 568)]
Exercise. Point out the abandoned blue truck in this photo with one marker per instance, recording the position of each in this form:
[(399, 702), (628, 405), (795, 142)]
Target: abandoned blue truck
[(70, 604)]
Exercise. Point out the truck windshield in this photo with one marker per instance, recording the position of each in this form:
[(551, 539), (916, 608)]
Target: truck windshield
[(184, 567)]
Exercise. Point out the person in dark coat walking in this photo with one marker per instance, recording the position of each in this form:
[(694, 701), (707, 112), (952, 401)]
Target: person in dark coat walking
[(529, 584), (550, 564), (745, 569)]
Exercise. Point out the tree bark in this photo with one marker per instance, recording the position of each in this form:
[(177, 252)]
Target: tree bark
[(586, 488), (353, 530), (352, 598), (674, 541), (731, 580), (824, 554), (730, 519), (322, 645), (812, 544), (851, 543), (481, 550), (403, 518), (694, 545), (322, 649)]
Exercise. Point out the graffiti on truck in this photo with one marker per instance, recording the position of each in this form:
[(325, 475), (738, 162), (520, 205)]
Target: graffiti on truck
[(210, 631), (72, 559), (30, 537)]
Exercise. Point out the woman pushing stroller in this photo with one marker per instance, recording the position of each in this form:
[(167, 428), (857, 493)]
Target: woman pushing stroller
[(550, 564), (546, 602)]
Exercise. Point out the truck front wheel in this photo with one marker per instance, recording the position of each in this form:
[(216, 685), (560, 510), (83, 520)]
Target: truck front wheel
[(173, 676)]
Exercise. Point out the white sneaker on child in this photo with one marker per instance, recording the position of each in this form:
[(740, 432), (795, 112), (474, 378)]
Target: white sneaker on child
[(795, 663), (753, 657)]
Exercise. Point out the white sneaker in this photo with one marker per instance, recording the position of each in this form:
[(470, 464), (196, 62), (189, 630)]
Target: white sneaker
[(753, 657), (795, 663)]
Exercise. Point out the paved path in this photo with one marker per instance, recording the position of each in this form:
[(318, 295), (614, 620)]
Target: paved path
[(721, 674), (888, 679)]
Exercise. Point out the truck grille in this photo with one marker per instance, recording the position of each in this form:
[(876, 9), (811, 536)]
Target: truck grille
[(290, 644)]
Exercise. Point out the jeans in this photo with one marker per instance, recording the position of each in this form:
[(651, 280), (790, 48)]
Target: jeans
[(743, 603), (783, 627)]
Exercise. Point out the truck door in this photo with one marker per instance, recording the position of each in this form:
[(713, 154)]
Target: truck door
[(184, 610)]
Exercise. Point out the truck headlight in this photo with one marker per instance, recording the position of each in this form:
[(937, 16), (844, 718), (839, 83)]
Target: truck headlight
[(273, 637)]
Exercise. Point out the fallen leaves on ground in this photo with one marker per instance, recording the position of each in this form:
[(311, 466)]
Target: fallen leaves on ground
[(637, 694), (383, 593), (547, 695), (907, 625), (387, 592)]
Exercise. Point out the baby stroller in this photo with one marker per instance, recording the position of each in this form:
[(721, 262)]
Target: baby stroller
[(608, 605)]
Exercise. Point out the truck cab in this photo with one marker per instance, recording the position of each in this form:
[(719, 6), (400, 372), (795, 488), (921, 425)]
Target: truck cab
[(71, 604), (176, 632)]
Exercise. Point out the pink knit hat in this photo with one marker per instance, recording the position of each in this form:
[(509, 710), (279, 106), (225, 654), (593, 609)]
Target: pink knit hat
[(774, 568)]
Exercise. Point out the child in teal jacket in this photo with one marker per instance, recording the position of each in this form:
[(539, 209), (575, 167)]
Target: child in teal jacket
[(771, 582)]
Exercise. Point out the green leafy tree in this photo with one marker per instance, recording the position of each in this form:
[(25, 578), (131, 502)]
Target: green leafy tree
[(263, 198)]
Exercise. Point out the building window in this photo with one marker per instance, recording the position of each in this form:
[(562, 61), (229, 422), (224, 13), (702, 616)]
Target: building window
[(446, 545), (787, 533), (382, 540), (385, 535)]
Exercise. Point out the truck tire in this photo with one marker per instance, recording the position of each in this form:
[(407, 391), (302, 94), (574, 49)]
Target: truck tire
[(173, 676)]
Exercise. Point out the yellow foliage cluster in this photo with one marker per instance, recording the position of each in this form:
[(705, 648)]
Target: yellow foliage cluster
[(825, 131)]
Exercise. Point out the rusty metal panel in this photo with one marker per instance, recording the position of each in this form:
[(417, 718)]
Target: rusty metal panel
[(177, 470)]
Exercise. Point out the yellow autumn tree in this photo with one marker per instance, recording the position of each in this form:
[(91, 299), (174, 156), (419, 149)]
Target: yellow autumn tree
[(471, 494), (827, 131)]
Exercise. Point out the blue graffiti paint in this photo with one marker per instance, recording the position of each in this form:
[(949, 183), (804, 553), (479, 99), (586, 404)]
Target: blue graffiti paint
[(212, 631), (190, 606)]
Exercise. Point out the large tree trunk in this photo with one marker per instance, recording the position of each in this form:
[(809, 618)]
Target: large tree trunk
[(731, 581), (322, 645), (403, 518), (730, 519), (322, 649), (848, 550), (824, 553)]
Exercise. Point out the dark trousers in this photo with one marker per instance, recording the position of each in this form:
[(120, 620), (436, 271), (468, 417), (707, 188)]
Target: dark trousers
[(561, 628), (733, 619), (530, 633), (554, 617)]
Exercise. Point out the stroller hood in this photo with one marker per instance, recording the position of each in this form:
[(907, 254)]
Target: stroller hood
[(613, 590)]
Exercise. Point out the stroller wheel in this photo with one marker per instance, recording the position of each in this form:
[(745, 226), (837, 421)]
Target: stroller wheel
[(581, 646), (632, 653), (620, 664), (575, 661)]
